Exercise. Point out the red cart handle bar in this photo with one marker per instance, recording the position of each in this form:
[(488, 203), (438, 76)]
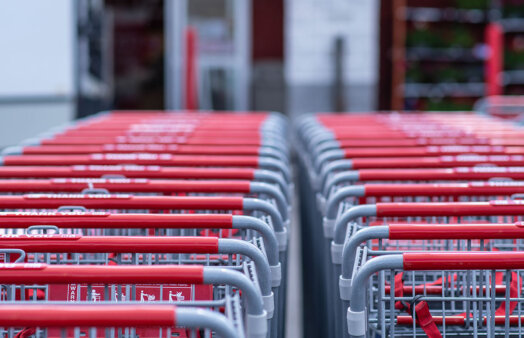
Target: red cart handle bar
[(117, 244), (455, 231), (144, 148), (463, 260), (131, 185), (167, 140), (102, 220), (448, 189), (117, 274), (120, 201), (491, 208), (111, 315), (459, 173), (139, 159), (107, 315), (437, 161), (128, 171)]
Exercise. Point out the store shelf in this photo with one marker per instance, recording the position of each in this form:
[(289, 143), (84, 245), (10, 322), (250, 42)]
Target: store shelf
[(512, 25), (469, 55), (439, 90), (439, 42), (513, 77), (428, 14), (435, 42)]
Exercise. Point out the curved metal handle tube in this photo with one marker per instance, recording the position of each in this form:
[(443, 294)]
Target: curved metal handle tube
[(234, 246), (276, 165), (255, 204), (350, 247), (280, 196), (273, 153), (326, 157), (358, 296), (337, 165), (326, 146), (273, 177), (341, 194), (349, 216), (255, 303), (338, 178), (200, 318), (270, 239)]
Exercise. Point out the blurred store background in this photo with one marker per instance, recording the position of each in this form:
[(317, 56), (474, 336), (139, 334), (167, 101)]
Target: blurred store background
[(65, 59)]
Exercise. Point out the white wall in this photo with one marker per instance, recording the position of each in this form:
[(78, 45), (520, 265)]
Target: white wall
[(37, 48), (311, 27), (37, 85), (20, 121)]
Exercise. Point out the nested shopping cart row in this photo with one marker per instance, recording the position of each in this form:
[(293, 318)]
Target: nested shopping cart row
[(421, 216), (147, 224)]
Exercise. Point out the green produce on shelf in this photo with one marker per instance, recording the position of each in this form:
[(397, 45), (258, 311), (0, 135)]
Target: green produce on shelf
[(513, 60), (473, 4), (454, 73), (415, 74), (458, 37), (461, 74), (450, 74), (447, 105), (513, 10), (462, 37), (424, 38)]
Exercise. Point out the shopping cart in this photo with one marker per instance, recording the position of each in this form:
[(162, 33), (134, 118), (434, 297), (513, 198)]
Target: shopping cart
[(101, 284), (338, 152), (432, 214), (235, 206), (480, 295), (371, 194), (274, 214), (124, 222), (328, 144), (100, 223)]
